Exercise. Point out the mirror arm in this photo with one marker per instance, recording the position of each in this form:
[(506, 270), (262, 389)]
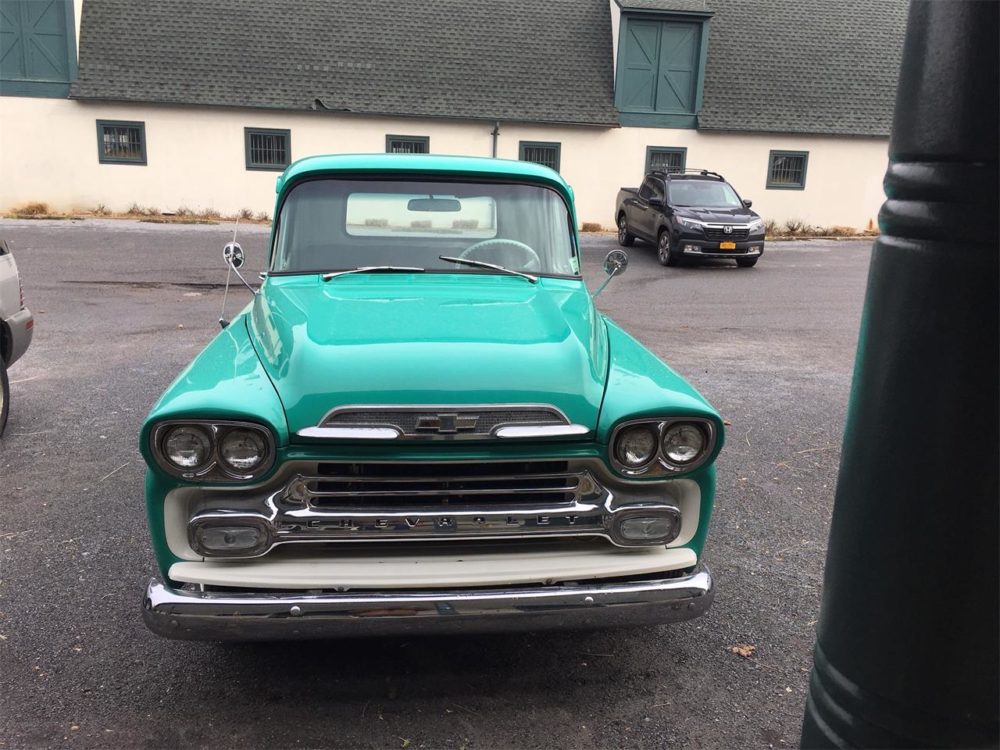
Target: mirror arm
[(245, 282), (606, 282)]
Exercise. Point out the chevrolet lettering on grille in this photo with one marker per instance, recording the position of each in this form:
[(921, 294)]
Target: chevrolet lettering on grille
[(447, 424)]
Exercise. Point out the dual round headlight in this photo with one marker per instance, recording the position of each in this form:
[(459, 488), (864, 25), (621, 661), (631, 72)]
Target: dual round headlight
[(238, 451), (674, 446)]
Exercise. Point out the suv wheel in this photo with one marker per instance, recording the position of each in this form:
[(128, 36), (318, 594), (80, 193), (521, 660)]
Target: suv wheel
[(664, 253), (746, 262), (4, 395), (625, 238)]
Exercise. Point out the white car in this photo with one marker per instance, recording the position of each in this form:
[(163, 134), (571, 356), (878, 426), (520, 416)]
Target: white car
[(16, 325)]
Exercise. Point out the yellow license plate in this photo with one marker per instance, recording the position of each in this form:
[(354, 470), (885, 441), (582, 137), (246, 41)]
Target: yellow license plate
[(727, 245)]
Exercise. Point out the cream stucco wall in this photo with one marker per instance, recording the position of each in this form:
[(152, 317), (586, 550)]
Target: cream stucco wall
[(48, 152)]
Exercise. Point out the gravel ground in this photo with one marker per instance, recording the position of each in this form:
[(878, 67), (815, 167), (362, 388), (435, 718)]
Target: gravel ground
[(122, 306)]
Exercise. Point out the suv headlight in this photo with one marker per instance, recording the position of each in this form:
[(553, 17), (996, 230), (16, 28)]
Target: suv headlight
[(204, 450), (757, 225), (686, 222), (659, 447)]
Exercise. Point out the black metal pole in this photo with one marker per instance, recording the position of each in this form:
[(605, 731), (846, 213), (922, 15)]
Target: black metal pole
[(907, 644)]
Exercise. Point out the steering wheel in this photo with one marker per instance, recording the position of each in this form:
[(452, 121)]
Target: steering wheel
[(530, 260)]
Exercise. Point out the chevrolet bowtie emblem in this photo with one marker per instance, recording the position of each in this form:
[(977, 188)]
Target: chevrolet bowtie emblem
[(447, 424)]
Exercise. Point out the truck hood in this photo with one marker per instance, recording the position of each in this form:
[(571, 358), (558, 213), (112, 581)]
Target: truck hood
[(432, 339), (720, 215)]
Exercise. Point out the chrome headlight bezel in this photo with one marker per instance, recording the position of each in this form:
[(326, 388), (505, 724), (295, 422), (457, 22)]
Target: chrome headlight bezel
[(214, 468), (662, 466)]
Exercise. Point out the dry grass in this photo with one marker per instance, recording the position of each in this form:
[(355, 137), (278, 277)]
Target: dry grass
[(32, 209), (591, 226), (794, 226), (148, 214), (801, 230)]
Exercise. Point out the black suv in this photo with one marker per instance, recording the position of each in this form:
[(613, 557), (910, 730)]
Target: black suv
[(690, 214)]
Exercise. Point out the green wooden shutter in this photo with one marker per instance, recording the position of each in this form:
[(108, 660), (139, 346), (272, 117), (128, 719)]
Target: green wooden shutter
[(640, 62), (37, 47), (678, 74)]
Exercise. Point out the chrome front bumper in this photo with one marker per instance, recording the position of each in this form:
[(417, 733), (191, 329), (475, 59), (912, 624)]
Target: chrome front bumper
[(214, 616)]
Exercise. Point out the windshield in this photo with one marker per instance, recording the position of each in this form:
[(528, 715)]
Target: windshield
[(332, 225), (703, 194)]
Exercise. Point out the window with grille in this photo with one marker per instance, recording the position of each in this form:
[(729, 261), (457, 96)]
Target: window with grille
[(268, 149), (546, 154), (665, 159), (407, 144), (787, 170), (121, 142)]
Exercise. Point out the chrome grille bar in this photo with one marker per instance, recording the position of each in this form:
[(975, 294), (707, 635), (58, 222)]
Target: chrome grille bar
[(434, 501)]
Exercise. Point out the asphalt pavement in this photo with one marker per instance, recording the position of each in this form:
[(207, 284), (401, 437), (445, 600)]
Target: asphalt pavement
[(121, 307)]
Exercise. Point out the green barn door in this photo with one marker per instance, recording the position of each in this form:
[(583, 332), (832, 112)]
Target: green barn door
[(677, 84), (641, 53), (37, 47)]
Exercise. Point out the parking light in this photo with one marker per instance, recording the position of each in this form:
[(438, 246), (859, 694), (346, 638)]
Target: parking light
[(229, 540)]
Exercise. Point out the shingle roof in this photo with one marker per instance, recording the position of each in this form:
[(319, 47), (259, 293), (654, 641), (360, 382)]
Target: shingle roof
[(803, 66), (539, 62), (665, 5), (792, 66)]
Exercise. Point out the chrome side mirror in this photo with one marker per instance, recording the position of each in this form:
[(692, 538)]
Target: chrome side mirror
[(232, 254), (615, 264)]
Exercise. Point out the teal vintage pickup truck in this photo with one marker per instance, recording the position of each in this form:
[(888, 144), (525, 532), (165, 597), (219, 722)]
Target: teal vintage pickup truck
[(421, 423)]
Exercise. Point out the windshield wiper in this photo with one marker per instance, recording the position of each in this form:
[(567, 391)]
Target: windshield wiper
[(373, 269), (484, 264)]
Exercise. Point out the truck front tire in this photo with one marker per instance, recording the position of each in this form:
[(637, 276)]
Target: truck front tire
[(664, 249), (625, 238)]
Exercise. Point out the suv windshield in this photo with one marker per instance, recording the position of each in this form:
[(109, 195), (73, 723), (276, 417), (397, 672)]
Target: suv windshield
[(703, 194), (332, 225)]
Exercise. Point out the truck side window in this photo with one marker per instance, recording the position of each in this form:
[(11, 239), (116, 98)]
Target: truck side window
[(657, 188), (648, 188)]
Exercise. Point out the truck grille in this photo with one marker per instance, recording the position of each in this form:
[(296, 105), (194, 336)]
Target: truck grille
[(436, 485), (718, 233)]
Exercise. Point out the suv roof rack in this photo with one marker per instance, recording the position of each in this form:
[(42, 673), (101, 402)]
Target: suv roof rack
[(668, 174)]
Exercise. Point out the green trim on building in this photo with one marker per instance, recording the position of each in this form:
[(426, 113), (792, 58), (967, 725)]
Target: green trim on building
[(660, 77), (786, 172), (39, 55), (421, 144), (650, 150), (653, 120), (533, 151), (271, 153), (130, 136)]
